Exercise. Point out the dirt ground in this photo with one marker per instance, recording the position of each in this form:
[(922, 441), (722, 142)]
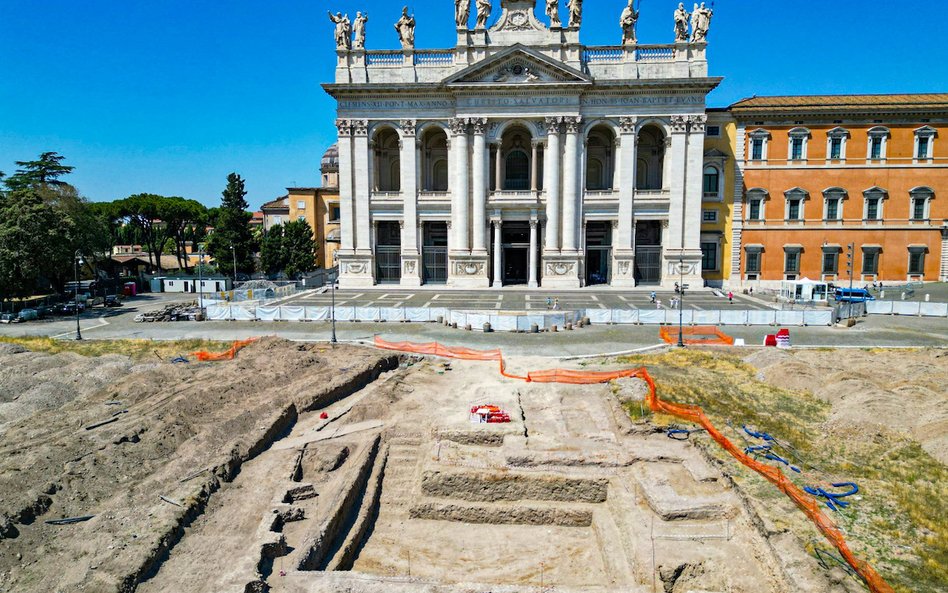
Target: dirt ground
[(870, 391), (298, 468), (179, 432)]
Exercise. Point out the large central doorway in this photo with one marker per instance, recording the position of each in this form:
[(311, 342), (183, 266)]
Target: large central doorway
[(434, 253), (515, 239), (648, 252), (388, 258), (598, 252)]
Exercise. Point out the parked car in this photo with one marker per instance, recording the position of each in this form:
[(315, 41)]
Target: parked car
[(9, 318), (112, 301), (70, 308), (28, 315), (853, 295)]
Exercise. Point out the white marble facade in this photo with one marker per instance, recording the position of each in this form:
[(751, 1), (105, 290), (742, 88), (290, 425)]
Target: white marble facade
[(521, 156)]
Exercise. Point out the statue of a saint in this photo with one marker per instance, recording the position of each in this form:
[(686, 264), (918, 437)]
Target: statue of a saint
[(406, 29), (483, 13), (681, 23), (343, 32), (575, 12), (462, 10), (627, 21), (700, 23), (553, 11), (358, 29)]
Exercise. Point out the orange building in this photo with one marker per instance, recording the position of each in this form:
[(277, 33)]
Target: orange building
[(823, 172)]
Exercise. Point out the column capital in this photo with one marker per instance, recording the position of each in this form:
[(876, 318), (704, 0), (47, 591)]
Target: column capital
[(459, 126), (679, 124), (479, 125), (344, 127), (572, 123), (408, 127), (627, 124), (698, 122), (360, 127), (537, 142), (533, 222), (552, 124)]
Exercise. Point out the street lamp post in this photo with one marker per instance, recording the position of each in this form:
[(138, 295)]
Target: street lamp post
[(681, 301), (201, 279), (332, 306), (78, 263), (233, 253)]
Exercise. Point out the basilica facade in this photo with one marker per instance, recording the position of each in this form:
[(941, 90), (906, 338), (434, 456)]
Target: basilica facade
[(521, 156)]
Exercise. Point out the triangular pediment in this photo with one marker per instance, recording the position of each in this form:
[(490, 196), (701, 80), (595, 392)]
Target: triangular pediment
[(517, 65)]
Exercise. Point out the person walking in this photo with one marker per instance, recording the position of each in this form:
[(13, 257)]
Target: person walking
[(652, 296), (730, 297)]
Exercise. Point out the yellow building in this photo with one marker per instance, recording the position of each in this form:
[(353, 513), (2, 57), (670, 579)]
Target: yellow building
[(718, 191), (318, 206)]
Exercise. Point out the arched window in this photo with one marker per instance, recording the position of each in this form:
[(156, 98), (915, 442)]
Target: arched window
[(434, 163), (385, 161), (600, 158), (651, 149), (517, 167), (712, 178)]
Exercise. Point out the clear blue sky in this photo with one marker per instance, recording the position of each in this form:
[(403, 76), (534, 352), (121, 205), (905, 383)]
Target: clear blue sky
[(169, 96)]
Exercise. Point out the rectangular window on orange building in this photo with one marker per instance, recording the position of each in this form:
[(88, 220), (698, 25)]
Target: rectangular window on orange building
[(757, 149), (753, 262), (830, 262), (791, 262), (916, 266), (832, 209), (836, 148), (918, 208), (754, 211), (796, 149), (872, 208), (870, 260), (922, 147), (875, 147)]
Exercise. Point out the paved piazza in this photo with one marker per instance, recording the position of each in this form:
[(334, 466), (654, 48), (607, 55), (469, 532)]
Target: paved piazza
[(516, 300)]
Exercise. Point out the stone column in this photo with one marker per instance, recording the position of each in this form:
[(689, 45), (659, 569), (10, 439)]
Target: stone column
[(570, 182), (694, 182), (551, 183), (497, 179), (480, 172), (532, 282), (459, 202), (533, 166), (682, 260), (346, 210), (623, 241), (409, 164), (361, 174), (498, 277)]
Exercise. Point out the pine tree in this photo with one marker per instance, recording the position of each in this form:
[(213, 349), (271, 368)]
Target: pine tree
[(300, 248), (232, 239), (272, 254)]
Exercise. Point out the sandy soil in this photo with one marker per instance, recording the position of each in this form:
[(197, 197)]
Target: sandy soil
[(871, 391), (180, 431)]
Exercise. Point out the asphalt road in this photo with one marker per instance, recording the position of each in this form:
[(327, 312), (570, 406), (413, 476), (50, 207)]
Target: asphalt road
[(872, 331), (512, 300)]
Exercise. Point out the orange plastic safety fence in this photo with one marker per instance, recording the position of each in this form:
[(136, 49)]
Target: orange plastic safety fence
[(710, 335), (690, 413), (204, 355)]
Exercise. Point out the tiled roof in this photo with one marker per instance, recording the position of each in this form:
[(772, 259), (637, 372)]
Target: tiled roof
[(871, 103), (282, 202)]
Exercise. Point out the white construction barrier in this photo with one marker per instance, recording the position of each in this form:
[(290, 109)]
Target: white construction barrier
[(731, 317), (503, 323), (818, 317), (687, 316), (366, 313), (600, 315), (268, 313), (292, 313), (625, 316), (218, 313), (788, 317), (905, 308), (240, 314), (933, 309), (392, 313), (418, 314), (319, 313), (706, 317), (879, 307), (761, 317), (345, 313), (651, 316)]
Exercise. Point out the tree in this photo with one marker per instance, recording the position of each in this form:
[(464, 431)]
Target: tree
[(232, 240), (272, 254), (300, 248), (35, 241), (46, 170), (144, 211)]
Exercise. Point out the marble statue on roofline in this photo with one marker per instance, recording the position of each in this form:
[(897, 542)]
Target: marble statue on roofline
[(462, 11), (627, 21), (575, 12), (483, 13), (406, 29), (343, 32), (553, 11), (358, 30), (700, 23), (681, 23)]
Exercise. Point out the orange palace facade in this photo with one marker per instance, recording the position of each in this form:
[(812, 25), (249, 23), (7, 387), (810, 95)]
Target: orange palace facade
[(822, 172)]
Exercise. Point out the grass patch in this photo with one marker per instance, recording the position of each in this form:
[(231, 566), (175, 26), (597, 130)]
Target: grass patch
[(138, 350), (900, 522)]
